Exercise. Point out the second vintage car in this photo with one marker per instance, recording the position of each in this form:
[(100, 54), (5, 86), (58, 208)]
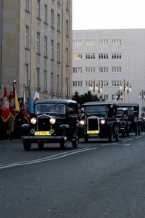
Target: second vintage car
[(53, 121), (99, 121)]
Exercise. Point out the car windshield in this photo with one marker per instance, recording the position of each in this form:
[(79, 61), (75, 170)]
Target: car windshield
[(119, 113), (95, 109), (50, 108)]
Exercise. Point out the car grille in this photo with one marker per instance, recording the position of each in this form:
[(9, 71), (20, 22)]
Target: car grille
[(92, 124), (43, 124)]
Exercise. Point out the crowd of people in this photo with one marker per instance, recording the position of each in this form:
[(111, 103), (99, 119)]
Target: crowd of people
[(10, 128)]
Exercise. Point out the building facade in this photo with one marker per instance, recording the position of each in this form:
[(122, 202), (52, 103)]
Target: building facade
[(110, 63), (36, 47)]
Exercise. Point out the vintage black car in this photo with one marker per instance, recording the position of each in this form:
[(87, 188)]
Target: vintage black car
[(122, 116), (99, 121), (133, 116), (54, 121)]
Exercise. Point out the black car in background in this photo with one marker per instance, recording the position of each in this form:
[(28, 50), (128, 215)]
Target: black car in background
[(99, 121), (122, 116), (53, 121), (133, 116)]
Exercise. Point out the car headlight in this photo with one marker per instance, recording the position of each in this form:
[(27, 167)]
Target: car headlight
[(52, 120), (103, 121), (33, 120), (82, 122)]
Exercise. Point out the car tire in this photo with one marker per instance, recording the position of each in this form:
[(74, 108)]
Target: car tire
[(26, 145), (40, 145), (86, 138), (63, 144), (75, 143), (110, 137)]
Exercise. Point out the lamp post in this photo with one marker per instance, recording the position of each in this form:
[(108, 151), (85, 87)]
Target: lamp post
[(142, 95), (96, 87), (125, 87)]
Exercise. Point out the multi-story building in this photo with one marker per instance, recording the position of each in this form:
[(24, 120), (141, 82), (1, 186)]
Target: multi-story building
[(110, 63), (36, 47)]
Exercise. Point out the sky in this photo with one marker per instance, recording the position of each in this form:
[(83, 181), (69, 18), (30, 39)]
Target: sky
[(108, 14)]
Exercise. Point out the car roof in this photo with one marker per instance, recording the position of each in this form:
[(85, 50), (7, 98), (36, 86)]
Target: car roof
[(128, 105), (56, 101), (97, 103)]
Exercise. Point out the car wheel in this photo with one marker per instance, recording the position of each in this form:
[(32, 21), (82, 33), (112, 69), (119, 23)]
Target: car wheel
[(111, 137), (40, 145), (123, 133), (26, 145), (63, 144), (75, 142), (117, 137), (139, 130), (86, 138), (127, 132)]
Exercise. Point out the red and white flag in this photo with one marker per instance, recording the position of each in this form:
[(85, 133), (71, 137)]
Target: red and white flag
[(5, 111), (36, 96)]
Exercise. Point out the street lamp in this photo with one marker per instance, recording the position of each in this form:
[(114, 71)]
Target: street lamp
[(96, 87), (142, 95), (125, 87)]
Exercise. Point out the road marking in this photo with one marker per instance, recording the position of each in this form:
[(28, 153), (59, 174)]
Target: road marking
[(127, 140), (53, 157)]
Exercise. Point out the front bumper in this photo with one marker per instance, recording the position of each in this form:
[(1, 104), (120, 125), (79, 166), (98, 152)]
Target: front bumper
[(45, 139)]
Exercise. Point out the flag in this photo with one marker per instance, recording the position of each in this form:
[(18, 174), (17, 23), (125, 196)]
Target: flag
[(30, 104), (12, 97), (17, 106), (5, 112), (36, 96)]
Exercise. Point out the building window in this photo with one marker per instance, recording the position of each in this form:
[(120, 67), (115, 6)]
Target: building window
[(27, 5), (77, 69), (26, 75), (38, 43), (105, 97), (116, 69), (51, 84), (38, 8), (103, 56), (90, 42), (103, 42), (90, 56), (77, 56), (38, 78), (45, 46), (58, 89), (58, 52), (90, 69), (116, 41), (58, 22), (77, 83), (45, 13), (77, 42), (52, 18), (45, 81), (67, 28), (103, 69), (52, 50), (27, 37), (67, 56), (116, 83), (116, 56), (67, 4), (59, 2), (114, 97)]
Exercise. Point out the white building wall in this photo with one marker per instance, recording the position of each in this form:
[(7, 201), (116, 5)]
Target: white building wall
[(132, 62)]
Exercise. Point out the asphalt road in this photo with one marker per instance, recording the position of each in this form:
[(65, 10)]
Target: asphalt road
[(97, 180)]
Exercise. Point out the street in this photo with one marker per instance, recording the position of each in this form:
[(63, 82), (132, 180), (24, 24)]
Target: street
[(97, 180)]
